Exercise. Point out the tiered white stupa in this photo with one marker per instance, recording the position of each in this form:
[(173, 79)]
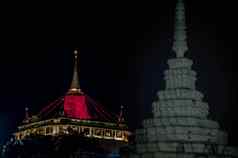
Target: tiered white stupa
[(180, 127)]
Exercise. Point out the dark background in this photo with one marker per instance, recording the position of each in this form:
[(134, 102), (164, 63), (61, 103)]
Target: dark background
[(124, 50)]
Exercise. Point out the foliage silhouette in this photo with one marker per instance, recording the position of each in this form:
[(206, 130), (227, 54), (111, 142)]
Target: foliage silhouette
[(61, 146)]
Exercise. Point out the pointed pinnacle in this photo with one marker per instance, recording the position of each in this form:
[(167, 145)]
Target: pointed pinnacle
[(180, 44), (75, 86)]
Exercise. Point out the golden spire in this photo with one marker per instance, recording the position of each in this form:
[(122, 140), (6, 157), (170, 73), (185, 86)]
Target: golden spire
[(121, 118), (75, 86)]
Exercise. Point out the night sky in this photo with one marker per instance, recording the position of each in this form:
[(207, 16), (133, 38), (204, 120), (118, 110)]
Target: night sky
[(124, 49)]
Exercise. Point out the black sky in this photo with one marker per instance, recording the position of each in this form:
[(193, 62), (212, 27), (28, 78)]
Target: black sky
[(124, 50)]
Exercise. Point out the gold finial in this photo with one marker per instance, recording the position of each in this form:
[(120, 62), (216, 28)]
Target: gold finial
[(76, 53), (75, 87)]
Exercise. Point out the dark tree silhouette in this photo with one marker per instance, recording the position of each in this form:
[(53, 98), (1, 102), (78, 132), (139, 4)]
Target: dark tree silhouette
[(62, 146)]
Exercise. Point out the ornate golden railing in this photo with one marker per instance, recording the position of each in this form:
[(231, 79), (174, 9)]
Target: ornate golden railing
[(65, 126)]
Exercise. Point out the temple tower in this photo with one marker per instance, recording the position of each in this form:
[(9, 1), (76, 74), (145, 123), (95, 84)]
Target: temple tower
[(180, 126), (77, 115)]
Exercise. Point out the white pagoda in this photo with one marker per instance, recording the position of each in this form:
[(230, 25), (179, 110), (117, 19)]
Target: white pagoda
[(180, 126)]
